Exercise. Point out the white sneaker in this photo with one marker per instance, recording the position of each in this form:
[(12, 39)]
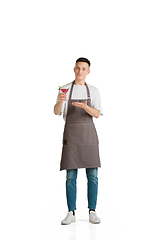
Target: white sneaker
[(93, 217), (70, 218)]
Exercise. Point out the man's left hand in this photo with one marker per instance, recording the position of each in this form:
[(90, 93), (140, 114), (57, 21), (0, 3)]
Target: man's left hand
[(91, 111), (80, 105)]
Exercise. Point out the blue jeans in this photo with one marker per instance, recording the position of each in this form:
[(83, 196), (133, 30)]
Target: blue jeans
[(71, 188)]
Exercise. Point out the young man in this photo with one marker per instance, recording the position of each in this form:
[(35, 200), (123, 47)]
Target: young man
[(80, 140)]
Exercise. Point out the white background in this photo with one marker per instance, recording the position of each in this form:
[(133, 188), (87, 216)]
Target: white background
[(39, 43)]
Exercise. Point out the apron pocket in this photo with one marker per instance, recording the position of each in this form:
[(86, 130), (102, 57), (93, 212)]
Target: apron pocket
[(79, 134)]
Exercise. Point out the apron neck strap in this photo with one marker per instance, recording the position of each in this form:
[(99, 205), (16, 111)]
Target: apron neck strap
[(88, 93)]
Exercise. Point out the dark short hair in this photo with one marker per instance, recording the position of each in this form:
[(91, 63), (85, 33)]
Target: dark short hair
[(83, 60)]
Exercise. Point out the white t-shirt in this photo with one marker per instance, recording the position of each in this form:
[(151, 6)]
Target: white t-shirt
[(80, 92)]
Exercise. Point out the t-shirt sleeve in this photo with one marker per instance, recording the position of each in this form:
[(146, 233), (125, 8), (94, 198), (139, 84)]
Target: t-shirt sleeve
[(96, 101)]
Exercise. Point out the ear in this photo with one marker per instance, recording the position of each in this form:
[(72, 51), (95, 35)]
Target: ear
[(74, 69), (88, 72)]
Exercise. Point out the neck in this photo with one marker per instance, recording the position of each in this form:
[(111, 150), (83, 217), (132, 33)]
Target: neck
[(79, 82)]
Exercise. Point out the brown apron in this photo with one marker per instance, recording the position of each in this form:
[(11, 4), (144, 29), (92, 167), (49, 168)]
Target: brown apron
[(80, 140)]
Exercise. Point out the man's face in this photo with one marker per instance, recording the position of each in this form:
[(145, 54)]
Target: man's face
[(81, 70)]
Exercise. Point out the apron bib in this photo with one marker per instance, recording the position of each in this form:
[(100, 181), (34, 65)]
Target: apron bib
[(80, 140)]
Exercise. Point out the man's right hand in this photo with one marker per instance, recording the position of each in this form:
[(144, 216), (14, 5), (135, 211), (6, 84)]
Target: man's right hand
[(61, 97)]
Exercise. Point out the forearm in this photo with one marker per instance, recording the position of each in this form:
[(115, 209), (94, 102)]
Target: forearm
[(58, 108), (92, 111)]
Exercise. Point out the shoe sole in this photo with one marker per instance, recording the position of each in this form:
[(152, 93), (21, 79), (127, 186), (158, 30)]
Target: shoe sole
[(94, 222), (67, 223)]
